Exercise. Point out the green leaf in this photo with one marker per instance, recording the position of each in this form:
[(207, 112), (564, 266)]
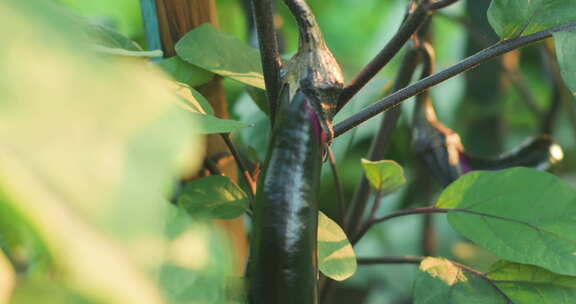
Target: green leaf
[(124, 15), (565, 43), (441, 281), (213, 197), (185, 72), (530, 284), (336, 258), (127, 53), (102, 35), (385, 175), (521, 215), (512, 18), (198, 261), (221, 54), (7, 278), (202, 112), (110, 38), (46, 291), (86, 156), (194, 100), (211, 124)]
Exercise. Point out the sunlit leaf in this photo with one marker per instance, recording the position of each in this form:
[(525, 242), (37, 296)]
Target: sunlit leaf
[(511, 18), (384, 175), (521, 215), (193, 99), (222, 54), (565, 43), (185, 72), (127, 53), (531, 284), (336, 257), (213, 196), (440, 281)]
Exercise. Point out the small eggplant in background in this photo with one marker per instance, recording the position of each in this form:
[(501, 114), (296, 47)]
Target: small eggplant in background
[(441, 150)]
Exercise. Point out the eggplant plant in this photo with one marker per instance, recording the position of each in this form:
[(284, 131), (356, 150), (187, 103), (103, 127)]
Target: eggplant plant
[(118, 235)]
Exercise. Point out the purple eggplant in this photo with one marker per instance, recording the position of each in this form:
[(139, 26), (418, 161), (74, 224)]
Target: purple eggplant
[(441, 149), (283, 264)]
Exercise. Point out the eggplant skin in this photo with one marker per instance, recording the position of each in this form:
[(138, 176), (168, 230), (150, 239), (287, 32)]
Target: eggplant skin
[(283, 259)]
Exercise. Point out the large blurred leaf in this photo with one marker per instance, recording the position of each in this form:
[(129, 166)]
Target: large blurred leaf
[(384, 175), (336, 258), (7, 278), (109, 41), (197, 264), (89, 145), (222, 54), (185, 72), (111, 38), (511, 18), (213, 196), (46, 292), (530, 284), (440, 281), (565, 43), (520, 214), (124, 15)]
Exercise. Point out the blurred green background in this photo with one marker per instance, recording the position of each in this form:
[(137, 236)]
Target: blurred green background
[(355, 31)]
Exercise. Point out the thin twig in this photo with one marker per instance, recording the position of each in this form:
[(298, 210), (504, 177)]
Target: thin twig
[(549, 119), (416, 17), (515, 77), (409, 27), (326, 290), (270, 58), (464, 65), (526, 94), (375, 205), (560, 95), (380, 143), (473, 31), (428, 237), (337, 185), (372, 222), (211, 167), (243, 169), (441, 4)]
